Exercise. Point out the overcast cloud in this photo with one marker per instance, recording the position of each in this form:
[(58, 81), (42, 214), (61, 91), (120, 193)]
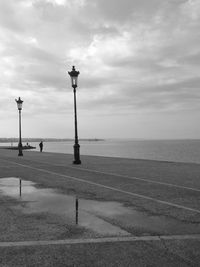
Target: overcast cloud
[(138, 61)]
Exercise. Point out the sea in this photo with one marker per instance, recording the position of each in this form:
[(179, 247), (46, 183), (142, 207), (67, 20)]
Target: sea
[(162, 150)]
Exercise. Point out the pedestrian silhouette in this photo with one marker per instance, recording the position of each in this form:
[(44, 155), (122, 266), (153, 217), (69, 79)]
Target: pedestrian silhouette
[(41, 146)]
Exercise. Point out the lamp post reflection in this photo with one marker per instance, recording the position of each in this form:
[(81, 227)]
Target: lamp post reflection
[(76, 210)]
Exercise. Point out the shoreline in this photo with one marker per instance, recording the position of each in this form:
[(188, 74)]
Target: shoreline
[(170, 151), (36, 150)]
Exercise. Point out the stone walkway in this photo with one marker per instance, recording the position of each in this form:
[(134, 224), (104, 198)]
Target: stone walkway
[(167, 189)]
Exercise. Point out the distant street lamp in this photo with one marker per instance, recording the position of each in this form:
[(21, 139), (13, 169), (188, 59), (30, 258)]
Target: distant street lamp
[(74, 78), (19, 106)]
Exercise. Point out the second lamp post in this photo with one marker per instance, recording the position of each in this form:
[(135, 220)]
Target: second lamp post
[(19, 106), (74, 79)]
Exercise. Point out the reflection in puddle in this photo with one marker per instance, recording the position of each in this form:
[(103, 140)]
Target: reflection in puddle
[(105, 218), (46, 200)]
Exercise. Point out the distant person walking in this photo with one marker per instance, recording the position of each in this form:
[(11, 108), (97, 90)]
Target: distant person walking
[(41, 146)]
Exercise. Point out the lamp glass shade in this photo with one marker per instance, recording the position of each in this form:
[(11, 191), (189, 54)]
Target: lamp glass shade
[(74, 80)]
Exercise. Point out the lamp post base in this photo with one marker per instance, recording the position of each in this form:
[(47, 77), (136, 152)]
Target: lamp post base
[(20, 150), (77, 161), (76, 154)]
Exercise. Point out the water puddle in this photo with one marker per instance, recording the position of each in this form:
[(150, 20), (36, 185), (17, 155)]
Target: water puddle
[(104, 218), (47, 200)]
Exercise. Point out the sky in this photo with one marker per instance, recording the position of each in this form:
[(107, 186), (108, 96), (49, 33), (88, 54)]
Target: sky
[(139, 64)]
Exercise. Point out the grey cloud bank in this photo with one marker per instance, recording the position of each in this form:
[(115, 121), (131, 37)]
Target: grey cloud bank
[(136, 59)]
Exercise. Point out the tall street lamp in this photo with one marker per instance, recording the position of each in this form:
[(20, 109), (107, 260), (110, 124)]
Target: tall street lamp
[(74, 78), (19, 106)]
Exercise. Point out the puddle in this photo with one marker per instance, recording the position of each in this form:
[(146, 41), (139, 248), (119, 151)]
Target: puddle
[(47, 200), (104, 218)]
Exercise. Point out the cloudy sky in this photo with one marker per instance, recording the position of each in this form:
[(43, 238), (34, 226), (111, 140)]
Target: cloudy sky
[(138, 61)]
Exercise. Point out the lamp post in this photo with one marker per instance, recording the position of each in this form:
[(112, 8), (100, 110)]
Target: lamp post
[(74, 78), (19, 106)]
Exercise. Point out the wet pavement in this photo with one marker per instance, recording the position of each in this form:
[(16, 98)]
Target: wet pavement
[(102, 217)]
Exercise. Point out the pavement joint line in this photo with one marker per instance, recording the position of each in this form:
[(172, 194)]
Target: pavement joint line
[(126, 176), (97, 240), (112, 188)]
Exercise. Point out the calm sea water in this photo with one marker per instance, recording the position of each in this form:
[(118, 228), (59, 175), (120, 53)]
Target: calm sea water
[(167, 150)]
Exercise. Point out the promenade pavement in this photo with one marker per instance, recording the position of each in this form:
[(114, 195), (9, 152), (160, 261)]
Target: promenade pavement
[(166, 194)]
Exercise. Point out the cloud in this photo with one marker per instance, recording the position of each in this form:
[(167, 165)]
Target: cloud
[(133, 55)]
